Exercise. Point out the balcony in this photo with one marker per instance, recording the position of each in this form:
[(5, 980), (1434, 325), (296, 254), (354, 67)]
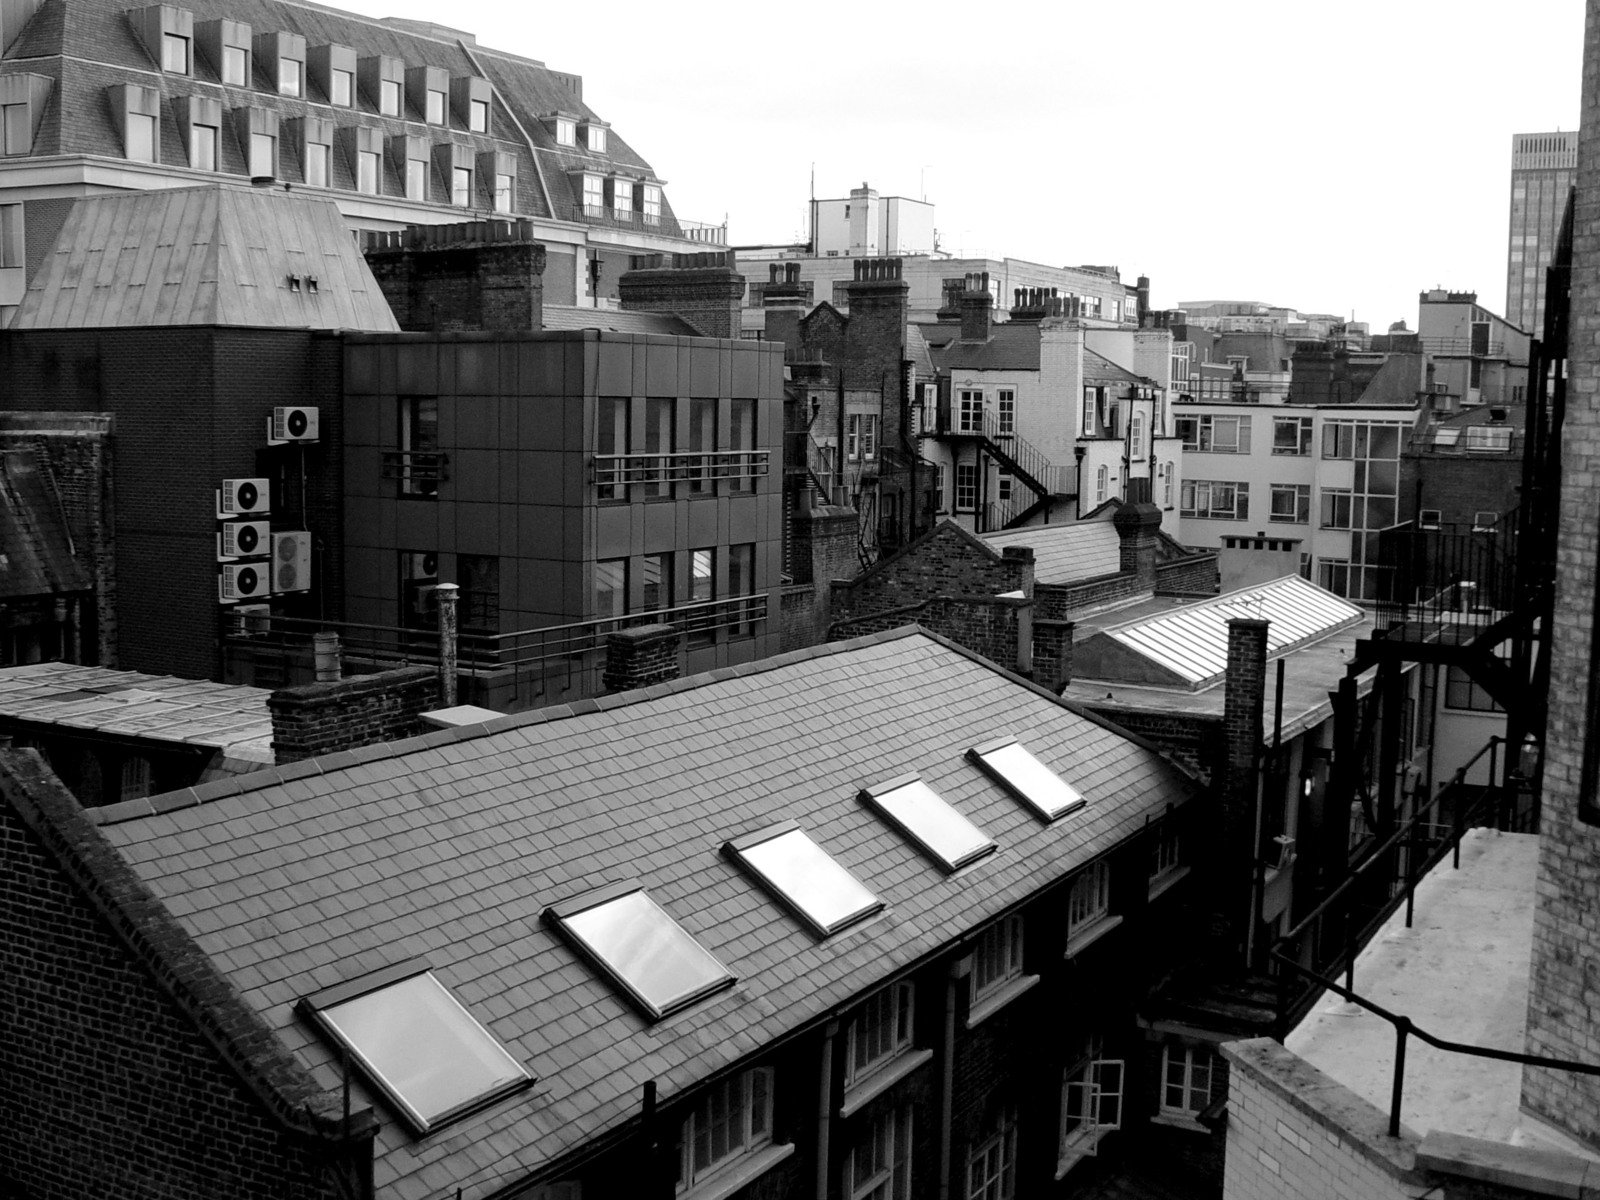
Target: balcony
[(420, 472), (656, 223), (613, 471)]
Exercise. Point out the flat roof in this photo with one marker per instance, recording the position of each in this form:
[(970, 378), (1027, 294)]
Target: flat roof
[(151, 708), (1460, 973)]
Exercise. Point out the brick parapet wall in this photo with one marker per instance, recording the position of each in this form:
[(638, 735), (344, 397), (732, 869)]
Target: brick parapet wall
[(463, 288), (1194, 740), (1296, 1134), (708, 297), (1058, 601), (129, 1066), (323, 718), (1564, 987), (988, 625), (1197, 576), (947, 561)]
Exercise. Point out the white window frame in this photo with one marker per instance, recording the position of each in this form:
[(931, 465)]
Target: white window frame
[(969, 412), (462, 187), (478, 116), (1205, 433), (1136, 437), (391, 98), (892, 1178), (1089, 898), (1002, 487), (341, 87), (594, 138), (1301, 494), (369, 169), (1302, 427), (1102, 483), (1006, 410), (1203, 499), (236, 66), (1192, 1097), (319, 161), (869, 437), (204, 139), (755, 1127), (889, 1016), (997, 958), (651, 204), (998, 1154), (622, 198), (968, 488), (594, 195), (566, 131), (1091, 1105), (852, 437)]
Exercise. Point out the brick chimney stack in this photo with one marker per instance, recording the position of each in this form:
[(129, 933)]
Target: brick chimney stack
[(1138, 527), (703, 290), (784, 303), (473, 276), (1235, 784), (977, 308), (641, 656)]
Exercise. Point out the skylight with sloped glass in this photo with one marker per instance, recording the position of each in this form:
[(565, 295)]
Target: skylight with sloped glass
[(636, 944), (803, 877), (417, 1044), (1036, 785), (920, 813)]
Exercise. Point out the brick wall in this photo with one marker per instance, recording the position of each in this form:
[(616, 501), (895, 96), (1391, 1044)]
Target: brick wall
[(321, 718), (638, 657), (1195, 576), (990, 626), (1564, 985), (1058, 601), (946, 561), (702, 289), (1296, 1134), (474, 276), (1195, 741), (118, 1068)]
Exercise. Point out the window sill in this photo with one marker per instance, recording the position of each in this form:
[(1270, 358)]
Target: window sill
[(999, 998), (1075, 1156), (1179, 1121), (728, 1181), (881, 1080), (1085, 938), (1161, 883)]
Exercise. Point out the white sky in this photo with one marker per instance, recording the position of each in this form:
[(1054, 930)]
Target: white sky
[(1328, 157)]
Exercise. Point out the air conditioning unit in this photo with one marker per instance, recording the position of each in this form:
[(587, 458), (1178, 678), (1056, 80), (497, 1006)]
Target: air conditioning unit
[(244, 498), (291, 561), (250, 620), (243, 539), (297, 423), (243, 581)]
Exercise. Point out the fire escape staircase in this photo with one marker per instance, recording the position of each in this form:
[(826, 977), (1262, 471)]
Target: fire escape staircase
[(1024, 461)]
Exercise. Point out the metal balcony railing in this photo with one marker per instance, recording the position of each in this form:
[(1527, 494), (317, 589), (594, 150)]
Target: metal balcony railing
[(419, 472), (647, 222), (1450, 580), (1024, 459), (613, 471)]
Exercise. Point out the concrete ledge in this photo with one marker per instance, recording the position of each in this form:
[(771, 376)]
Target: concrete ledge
[(1522, 1168), (1339, 1111)]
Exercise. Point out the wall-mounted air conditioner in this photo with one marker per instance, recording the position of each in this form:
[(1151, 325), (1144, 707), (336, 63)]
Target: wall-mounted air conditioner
[(243, 581), (295, 423), (291, 561), (244, 498), (243, 539)]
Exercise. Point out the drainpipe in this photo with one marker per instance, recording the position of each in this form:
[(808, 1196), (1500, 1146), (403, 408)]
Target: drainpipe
[(947, 1077), (446, 593), (1078, 452), (825, 1107)]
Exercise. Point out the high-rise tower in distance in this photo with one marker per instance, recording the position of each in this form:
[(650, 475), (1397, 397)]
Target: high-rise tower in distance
[(1543, 168)]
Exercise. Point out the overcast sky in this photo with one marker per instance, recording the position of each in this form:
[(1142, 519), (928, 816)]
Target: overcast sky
[(1332, 158)]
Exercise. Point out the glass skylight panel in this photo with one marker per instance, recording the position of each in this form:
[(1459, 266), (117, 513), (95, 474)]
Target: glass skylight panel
[(920, 813), (803, 876), (644, 951), (1035, 784), (417, 1044)]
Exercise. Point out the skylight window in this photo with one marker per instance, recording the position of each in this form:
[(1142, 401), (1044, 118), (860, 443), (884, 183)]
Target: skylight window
[(643, 950), (1035, 784), (802, 876), (919, 812), (417, 1044)]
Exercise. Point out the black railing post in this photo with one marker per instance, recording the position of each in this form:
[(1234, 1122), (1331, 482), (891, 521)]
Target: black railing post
[(1402, 1027), (1457, 817), (1494, 785)]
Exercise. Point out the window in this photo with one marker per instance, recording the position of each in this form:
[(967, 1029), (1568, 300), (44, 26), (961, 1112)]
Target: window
[(1484, 520), (742, 441), (879, 1165), (1462, 692), (640, 948), (416, 179), (203, 147), (1215, 500), (504, 192), (478, 116), (1091, 1103), (660, 419), (417, 1044), (142, 138), (861, 437), (1006, 410), (175, 54), (595, 135), (920, 813), (1290, 502), (803, 877), (1089, 897), (291, 73), (701, 575), (1166, 851), (992, 1163), (732, 1119), (652, 204), (369, 172), (610, 587), (1136, 438), (1185, 1081), (594, 196), (622, 198), (235, 66), (1337, 508), (434, 107), (11, 240), (879, 1033), (461, 187), (135, 777), (319, 159), (389, 97), (263, 155), (741, 581), (1291, 435), (657, 589), (419, 574), (1009, 763), (1336, 575), (566, 131), (1172, 472), (966, 487), (997, 957), (479, 577), (1003, 487), (1215, 434), (1102, 483), (419, 445), (702, 443), (970, 413), (17, 129)]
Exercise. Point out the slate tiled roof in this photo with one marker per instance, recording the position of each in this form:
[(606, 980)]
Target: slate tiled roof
[(36, 552), (451, 846), (1012, 346), (1066, 553), (1101, 371), (158, 708), (564, 316), (220, 254)]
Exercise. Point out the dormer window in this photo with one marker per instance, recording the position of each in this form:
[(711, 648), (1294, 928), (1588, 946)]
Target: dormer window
[(201, 122), (175, 54), (478, 116), (382, 81), (291, 77), (470, 96), (594, 137), (138, 111), (168, 34), (235, 65), (566, 131), (389, 100), (22, 98), (225, 46), (594, 196), (341, 87), (283, 56), (622, 198), (652, 204), (435, 113), (428, 93)]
